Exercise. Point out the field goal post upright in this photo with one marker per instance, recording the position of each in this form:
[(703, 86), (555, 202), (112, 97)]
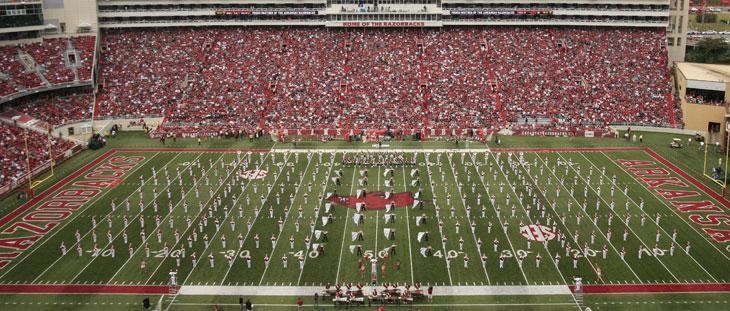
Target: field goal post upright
[(32, 184), (719, 179)]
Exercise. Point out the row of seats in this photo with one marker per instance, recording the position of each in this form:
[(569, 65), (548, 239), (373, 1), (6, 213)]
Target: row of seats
[(24, 66), (57, 108)]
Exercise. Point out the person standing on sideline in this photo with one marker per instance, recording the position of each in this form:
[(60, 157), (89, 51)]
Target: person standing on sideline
[(316, 301), (430, 294), (300, 304), (249, 306)]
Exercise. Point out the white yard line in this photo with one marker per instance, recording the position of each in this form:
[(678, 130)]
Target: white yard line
[(256, 217), (584, 212), (192, 269), (433, 193), (549, 255), (408, 223), (182, 235), (644, 212), (182, 199), (501, 222), (286, 217), (136, 216), (70, 248), (324, 194), (377, 220), (306, 291), (693, 228), (230, 212), (463, 206), (346, 220), (628, 227)]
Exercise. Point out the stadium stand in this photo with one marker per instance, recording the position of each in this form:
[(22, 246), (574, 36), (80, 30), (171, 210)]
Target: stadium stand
[(45, 64), (220, 79), (12, 152), (57, 108)]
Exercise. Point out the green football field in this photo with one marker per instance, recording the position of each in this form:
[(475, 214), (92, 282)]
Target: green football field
[(489, 227)]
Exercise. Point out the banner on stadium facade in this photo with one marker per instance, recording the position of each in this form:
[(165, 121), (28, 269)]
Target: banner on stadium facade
[(267, 12), (497, 12), (384, 24)]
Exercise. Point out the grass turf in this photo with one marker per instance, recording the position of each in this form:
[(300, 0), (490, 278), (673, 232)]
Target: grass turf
[(43, 263)]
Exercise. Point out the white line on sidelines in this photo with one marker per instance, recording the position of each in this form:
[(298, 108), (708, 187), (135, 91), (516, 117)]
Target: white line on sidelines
[(519, 290)]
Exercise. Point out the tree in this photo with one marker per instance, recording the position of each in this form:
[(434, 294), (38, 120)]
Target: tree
[(710, 50), (708, 18)]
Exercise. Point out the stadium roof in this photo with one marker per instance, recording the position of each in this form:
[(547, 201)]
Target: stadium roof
[(705, 72)]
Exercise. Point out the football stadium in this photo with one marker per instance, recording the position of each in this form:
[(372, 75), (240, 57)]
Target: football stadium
[(361, 154)]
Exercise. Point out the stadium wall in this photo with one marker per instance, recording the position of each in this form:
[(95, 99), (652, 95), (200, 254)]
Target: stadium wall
[(71, 16)]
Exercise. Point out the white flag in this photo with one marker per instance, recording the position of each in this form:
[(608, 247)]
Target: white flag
[(359, 193), (415, 203), (352, 248), (387, 170), (413, 182), (414, 172), (418, 220), (388, 207), (357, 218), (387, 232), (362, 173), (417, 195), (325, 220), (315, 246), (387, 194), (421, 236), (423, 251), (354, 236), (388, 218), (327, 207), (317, 234), (358, 207), (329, 194), (387, 184), (334, 179)]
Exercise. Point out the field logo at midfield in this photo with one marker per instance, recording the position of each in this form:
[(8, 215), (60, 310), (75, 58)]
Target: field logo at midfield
[(374, 200), (537, 233), (254, 174)]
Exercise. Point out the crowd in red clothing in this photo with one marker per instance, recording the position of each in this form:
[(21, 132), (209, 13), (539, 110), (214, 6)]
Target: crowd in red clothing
[(24, 66), (276, 78), (57, 108), (13, 163)]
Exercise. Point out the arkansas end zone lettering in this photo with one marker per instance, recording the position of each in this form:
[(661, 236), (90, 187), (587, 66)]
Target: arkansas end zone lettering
[(673, 191), (23, 233)]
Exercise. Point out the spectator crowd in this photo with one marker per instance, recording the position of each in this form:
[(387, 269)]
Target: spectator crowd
[(243, 79), (45, 64), (13, 165)]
